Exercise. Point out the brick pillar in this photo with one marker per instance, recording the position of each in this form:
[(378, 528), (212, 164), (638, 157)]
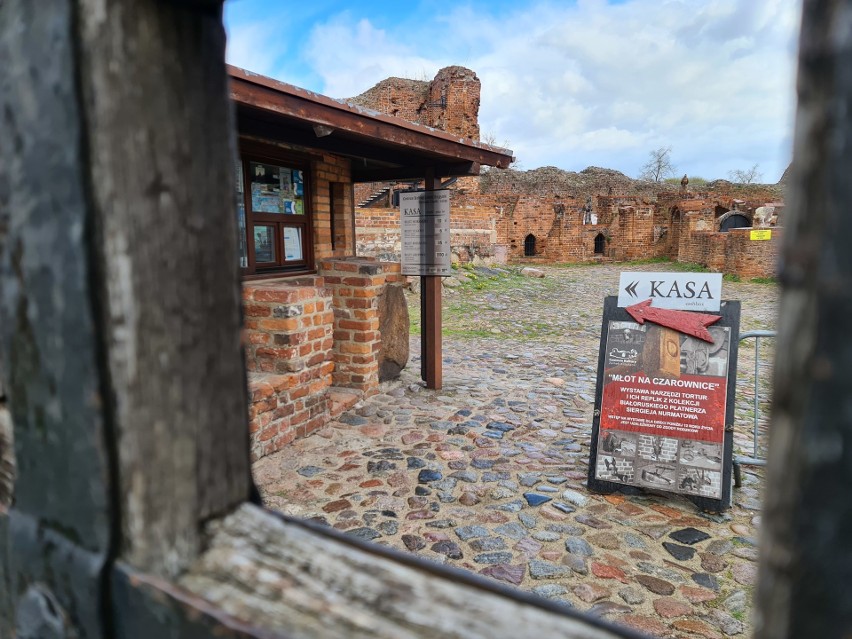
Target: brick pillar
[(356, 284), (288, 330)]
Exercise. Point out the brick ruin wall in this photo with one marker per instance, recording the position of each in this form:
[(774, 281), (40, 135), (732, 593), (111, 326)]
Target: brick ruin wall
[(595, 214)]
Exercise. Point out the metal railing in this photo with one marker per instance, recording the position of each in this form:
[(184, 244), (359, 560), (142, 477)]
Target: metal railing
[(755, 459)]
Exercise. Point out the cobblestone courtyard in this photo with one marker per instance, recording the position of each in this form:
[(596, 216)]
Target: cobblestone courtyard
[(488, 474)]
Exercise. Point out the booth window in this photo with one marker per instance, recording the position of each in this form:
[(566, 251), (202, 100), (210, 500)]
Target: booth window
[(273, 216)]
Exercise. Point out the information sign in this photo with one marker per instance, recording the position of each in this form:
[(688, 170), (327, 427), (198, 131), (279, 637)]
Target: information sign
[(685, 291), (761, 234), (425, 228), (662, 404)]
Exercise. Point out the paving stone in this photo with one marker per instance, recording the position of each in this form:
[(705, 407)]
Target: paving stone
[(528, 479), (448, 548), (647, 624), (737, 602), (605, 571), (528, 520), (469, 499), (634, 541), (697, 595), (534, 499), (549, 591), (565, 508), (528, 546), (689, 536), (668, 607), (632, 596), (719, 547), (365, 533), (442, 523), (578, 546), (656, 585), (697, 627), (712, 563), (575, 563), (590, 593), (425, 476), (574, 497), (310, 471), (468, 476), (750, 554), (493, 558), (725, 622), (545, 536), (745, 574), (513, 574), (510, 507), (605, 540), (546, 569), (681, 553), (414, 542), (603, 608), (705, 580), (471, 532), (513, 531), (485, 544), (591, 521)]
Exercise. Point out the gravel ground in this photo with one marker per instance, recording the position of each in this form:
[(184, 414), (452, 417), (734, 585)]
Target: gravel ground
[(488, 473)]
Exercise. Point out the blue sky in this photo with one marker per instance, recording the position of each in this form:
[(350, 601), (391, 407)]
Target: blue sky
[(566, 84)]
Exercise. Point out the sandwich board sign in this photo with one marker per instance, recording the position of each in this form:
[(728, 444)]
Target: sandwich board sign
[(664, 402)]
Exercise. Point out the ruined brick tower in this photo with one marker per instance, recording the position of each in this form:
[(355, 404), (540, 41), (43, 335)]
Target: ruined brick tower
[(450, 102)]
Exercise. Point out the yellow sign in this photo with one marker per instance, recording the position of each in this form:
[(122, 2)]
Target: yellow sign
[(760, 235)]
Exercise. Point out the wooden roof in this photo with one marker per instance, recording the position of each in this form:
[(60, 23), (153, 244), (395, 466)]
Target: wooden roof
[(384, 147)]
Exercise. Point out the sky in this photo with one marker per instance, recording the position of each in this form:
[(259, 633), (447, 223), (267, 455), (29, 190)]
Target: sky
[(570, 83)]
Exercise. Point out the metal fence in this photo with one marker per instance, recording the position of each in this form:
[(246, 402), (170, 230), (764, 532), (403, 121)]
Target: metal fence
[(755, 459)]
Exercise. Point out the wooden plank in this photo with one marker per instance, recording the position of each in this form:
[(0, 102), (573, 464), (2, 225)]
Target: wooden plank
[(412, 172), (48, 328), (806, 533), (288, 577), (431, 325), (161, 153)]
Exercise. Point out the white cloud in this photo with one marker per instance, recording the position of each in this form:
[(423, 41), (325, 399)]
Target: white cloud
[(575, 84)]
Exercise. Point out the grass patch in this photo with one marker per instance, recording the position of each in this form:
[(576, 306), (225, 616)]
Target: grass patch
[(690, 267), (731, 277), (763, 280), (660, 259)]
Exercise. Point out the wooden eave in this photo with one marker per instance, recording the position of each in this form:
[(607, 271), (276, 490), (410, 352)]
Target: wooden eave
[(382, 147)]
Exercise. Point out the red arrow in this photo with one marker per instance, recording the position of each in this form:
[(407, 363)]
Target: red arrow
[(684, 321)]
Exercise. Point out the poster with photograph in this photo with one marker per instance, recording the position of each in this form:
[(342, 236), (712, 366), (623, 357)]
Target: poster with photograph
[(662, 406)]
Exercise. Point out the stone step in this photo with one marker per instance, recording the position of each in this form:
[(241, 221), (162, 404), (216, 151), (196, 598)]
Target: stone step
[(341, 399)]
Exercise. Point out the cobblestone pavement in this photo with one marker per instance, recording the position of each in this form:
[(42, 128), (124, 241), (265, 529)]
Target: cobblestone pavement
[(488, 474)]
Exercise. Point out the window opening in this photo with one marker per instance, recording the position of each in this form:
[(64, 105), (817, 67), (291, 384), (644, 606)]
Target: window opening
[(529, 245), (600, 243)]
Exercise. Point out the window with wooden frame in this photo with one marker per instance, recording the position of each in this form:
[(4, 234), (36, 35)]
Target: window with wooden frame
[(274, 215)]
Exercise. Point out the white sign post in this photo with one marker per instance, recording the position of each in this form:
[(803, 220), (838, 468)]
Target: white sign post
[(684, 291), (425, 226)]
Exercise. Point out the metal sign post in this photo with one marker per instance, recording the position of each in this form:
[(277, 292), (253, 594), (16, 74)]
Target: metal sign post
[(425, 230)]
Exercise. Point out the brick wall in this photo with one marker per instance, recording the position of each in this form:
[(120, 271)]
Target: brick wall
[(449, 102), (288, 343), (332, 169), (355, 285)]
